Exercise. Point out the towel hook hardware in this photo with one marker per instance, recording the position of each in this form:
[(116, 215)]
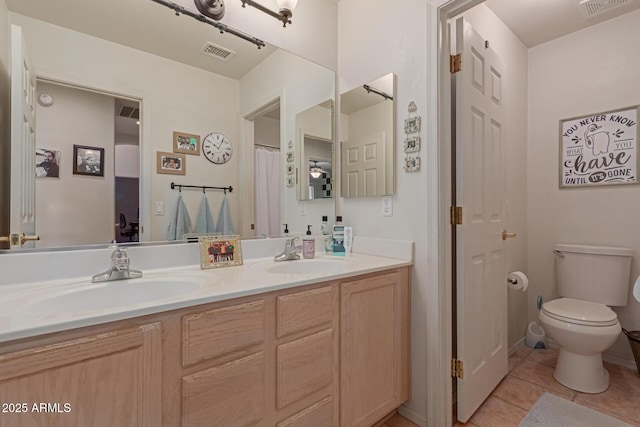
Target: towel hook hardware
[(204, 187)]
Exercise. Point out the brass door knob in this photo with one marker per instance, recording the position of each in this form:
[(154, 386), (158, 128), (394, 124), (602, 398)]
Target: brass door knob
[(16, 238), (24, 238), (508, 235)]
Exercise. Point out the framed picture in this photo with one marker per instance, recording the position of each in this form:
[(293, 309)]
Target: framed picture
[(171, 163), (88, 160), (412, 124), (219, 251), (412, 164), (289, 156), (291, 181), (47, 163), (186, 143), (599, 149), (290, 169), (412, 144)]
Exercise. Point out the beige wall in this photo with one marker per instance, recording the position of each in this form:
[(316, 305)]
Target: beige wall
[(75, 209), (590, 71)]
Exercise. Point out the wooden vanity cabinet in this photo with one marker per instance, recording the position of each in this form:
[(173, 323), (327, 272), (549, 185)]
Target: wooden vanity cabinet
[(107, 379), (331, 354), (374, 347)]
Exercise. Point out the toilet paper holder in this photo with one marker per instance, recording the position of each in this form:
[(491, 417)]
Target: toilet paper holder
[(512, 281)]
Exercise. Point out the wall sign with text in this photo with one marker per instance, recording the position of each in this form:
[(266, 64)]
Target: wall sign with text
[(600, 149)]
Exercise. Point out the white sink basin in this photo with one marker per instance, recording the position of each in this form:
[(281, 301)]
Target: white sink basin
[(311, 266), (119, 293)]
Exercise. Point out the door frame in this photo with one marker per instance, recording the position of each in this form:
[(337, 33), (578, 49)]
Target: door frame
[(439, 331)]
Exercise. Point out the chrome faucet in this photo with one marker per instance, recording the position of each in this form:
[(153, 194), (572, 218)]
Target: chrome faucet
[(290, 252), (119, 269)]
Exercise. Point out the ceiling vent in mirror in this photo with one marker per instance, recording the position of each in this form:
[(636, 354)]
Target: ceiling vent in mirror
[(216, 51), (128, 111), (595, 7)]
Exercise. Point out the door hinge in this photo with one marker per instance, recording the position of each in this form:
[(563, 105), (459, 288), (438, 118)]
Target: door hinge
[(455, 63), (455, 215), (457, 368)]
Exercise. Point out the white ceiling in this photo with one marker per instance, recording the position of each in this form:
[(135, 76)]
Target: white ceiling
[(150, 27), (539, 21)]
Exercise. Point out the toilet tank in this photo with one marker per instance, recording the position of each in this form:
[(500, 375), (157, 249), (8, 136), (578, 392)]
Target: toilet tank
[(594, 273)]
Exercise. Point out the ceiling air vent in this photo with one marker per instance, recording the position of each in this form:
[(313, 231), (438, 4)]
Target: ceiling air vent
[(216, 51), (595, 7), (129, 112)]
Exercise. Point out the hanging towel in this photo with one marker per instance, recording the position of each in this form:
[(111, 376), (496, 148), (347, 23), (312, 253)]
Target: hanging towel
[(224, 225), (179, 223), (204, 223)]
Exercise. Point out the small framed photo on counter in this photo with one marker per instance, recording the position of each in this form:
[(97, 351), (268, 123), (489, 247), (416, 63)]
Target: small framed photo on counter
[(219, 251)]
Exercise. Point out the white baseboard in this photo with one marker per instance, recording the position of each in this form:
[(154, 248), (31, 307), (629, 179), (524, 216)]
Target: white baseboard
[(631, 364), (412, 416), (516, 346)]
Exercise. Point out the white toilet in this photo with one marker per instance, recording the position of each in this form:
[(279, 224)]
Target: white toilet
[(590, 278)]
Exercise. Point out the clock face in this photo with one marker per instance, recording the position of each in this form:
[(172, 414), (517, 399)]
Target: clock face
[(217, 148)]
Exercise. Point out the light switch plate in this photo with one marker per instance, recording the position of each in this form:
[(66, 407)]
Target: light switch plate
[(387, 206), (159, 208), (303, 208)]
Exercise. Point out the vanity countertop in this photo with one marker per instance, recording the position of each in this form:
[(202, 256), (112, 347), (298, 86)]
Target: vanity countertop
[(31, 309)]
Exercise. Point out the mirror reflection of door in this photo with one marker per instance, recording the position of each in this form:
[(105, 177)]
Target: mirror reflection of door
[(77, 206), (267, 172)]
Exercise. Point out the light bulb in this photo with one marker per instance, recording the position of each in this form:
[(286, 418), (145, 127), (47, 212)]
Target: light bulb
[(287, 5)]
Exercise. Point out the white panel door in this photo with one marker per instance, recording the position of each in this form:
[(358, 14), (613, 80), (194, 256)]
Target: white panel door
[(363, 166), (23, 140), (481, 275)]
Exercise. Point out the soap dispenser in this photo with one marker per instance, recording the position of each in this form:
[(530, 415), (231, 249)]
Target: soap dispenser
[(308, 245)]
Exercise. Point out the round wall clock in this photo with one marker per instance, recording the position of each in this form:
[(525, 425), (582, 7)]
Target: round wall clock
[(217, 148)]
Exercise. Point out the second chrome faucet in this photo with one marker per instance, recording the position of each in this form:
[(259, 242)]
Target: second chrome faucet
[(290, 252)]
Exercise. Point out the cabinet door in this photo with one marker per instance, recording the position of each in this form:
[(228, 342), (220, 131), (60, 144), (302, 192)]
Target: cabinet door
[(374, 347), (110, 379)]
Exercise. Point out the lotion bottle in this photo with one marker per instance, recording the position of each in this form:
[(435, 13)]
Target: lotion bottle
[(308, 245)]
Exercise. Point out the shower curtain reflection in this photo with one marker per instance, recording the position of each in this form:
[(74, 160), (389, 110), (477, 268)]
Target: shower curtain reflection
[(267, 192)]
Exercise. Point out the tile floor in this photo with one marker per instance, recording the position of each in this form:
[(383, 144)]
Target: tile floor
[(531, 374), (398, 421)]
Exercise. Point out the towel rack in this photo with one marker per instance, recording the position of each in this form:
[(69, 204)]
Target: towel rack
[(203, 187)]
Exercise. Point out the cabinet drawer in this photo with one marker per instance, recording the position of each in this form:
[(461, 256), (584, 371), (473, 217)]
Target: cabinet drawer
[(304, 366), (320, 414), (216, 332), (303, 310), (228, 395)]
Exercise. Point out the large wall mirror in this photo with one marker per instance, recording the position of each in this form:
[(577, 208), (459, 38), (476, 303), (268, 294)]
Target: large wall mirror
[(143, 90), (367, 123)]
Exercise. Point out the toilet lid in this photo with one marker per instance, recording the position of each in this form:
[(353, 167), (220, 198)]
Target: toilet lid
[(580, 312)]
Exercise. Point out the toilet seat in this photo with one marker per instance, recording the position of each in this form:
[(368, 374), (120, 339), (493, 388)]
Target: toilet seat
[(580, 312)]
